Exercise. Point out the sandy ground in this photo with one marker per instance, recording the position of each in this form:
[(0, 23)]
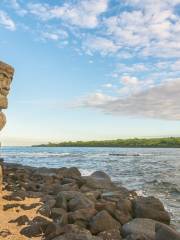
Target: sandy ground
[(13, 213)]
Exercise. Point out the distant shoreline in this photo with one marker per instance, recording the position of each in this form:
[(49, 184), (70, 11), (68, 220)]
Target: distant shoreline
[(171, 142)]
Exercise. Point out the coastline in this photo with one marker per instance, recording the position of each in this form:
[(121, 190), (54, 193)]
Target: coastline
[(71, 206)]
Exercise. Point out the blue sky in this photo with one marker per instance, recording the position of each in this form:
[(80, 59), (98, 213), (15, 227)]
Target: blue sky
[(91, 69)]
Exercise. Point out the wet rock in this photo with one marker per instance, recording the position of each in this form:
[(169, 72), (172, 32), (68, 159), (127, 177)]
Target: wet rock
[(98, 183), (72, 173), (140, 226), (152, 208), (103, 221), (163, 232), (101, 176)]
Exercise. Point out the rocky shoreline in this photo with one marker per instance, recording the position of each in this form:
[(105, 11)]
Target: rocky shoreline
[(75, 207)]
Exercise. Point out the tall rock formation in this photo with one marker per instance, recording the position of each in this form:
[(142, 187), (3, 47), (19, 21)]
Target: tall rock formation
[(6, 76)]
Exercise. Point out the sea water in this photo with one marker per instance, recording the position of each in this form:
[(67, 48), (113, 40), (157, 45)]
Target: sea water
[(149, 171)]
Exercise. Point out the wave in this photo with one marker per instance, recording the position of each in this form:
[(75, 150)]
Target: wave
[(37, 155), (165, 186)]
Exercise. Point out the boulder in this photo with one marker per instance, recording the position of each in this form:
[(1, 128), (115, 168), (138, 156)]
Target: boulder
[(152, 208), (72, 173), (105, 205), (163, 232), (140, 227), (122, 216), (80, 202), (74, 232), (103, 221), (81, 214), (61, 201), (57, 213), (101, 176)]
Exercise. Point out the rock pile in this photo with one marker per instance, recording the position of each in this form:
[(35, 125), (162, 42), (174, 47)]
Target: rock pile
[(74, 207)]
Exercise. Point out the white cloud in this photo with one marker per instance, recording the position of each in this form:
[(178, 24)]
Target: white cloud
[(6, 21), (83, 14), (108, 85), (94, 100), (151, 28), (160, 102), (100, 44), (54, 34), (132, 85)]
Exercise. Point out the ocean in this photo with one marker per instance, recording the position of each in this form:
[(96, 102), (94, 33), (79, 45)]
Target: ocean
[(151, 172)]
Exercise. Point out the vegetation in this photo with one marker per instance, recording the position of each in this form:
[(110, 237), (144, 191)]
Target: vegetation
[(171, 142)]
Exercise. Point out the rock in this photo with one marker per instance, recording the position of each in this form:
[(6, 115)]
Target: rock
[(141, 227), (137, 237), (16, 196), (150, 207), (73, 172), (103, 221), (122, 216), (80, 202), (163, 232), (34, 230), (74, 232), (57, 212), (53, 230), (61, 201), (45, 210), (125, 205), (105, 205), (113, 234), (101, 176), (22, 220), (81, 215), (98, 183)]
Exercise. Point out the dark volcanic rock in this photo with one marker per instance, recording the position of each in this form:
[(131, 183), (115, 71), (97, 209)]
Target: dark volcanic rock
[(103, 221), (152, 208), (164, 232), (140, 227), (22, 220), (80, 202)]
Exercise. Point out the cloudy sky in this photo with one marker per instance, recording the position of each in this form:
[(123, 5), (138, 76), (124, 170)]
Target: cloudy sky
[(91, 69)]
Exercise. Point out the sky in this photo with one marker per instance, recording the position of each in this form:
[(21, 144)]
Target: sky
[(91, 69)]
